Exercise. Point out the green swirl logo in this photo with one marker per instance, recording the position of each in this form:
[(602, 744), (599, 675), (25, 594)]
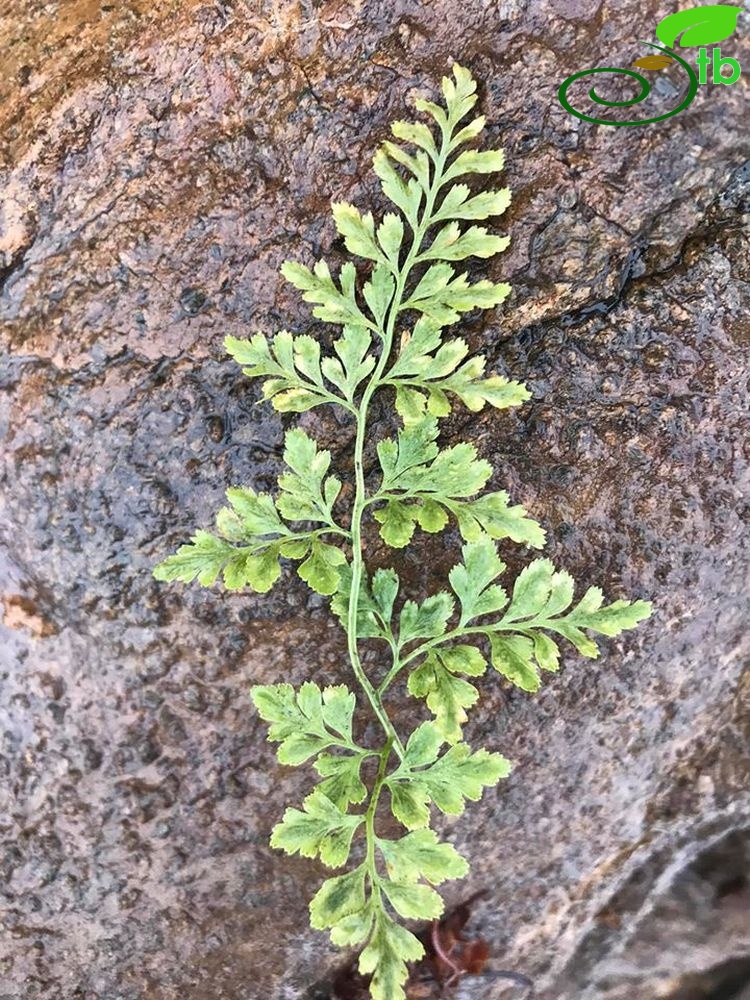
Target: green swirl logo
[(698, 26)]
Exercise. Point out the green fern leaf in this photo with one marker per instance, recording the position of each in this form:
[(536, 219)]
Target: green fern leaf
[(358, 231), (292, 367), (337, 898), (425, 620), (307, 721), (418, 477), (306, 493), (332, 304), (492, 515), (202, 560), (451, 244), (412, 900), (388, 950), (342, 783), (321, 830), (446, 781), (406, 195), (420, 855), (473, 580), (442, 296), (353, 364), (447, 695), (414, 256)]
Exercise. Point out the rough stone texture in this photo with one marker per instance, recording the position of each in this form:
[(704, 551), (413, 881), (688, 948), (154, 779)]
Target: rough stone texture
[(159, 162)]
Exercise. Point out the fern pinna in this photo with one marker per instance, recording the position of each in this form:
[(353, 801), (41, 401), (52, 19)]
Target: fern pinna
[(392, 339)]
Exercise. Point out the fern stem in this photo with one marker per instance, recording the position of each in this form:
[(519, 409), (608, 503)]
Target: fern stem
[(520, 628), (371, 810), (425, 647), (360, 498), (357, 569)]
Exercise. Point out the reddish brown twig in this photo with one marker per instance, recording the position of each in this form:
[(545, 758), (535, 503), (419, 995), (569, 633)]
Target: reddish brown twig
[(456, 970)]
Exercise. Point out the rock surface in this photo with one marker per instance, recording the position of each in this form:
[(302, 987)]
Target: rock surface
[(160, 162)]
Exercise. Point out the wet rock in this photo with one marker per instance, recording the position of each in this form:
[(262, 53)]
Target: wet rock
[(160, 163)]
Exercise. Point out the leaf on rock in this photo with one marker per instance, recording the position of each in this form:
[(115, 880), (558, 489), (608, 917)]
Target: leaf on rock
[(322, 829), (420, 855), (338, 898), (388, 950), (307, 494), (412, 900), (426, 620), (354, 362), (307, 721), (369, 612), (541, 603), (342, 782), (443, 296), (422, 379), (357, 230), (447, 695), (331, 303), (447, 781), (493, 515), (291, 366), (473, 580), (321, 569)]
